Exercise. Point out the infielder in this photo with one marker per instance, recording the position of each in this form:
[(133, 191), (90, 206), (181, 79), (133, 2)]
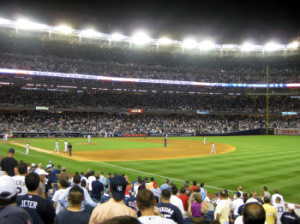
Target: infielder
[(213, 148), (204, 140), (66, 146), (56, 147), (27, 149), (89, 138), (165, 141)]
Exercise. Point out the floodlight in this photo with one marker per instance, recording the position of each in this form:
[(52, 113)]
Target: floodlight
[(117, 37), (63, 29), (189, 43), (248, 47), (272, 46), (293, 45), (90, 33), (164, 41), (140, 38), (228, 46), (28, 25), (4, 21), (207, 45)]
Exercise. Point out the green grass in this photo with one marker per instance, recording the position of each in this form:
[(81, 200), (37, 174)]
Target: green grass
[(257, 161)]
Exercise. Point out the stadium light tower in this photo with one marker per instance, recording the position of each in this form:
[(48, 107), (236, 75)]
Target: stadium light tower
[(189, 44), (63, 29), (272, 46), (117, 37), (164, 41), (28, 25), (89, 33), (140, 38), (207, 45)]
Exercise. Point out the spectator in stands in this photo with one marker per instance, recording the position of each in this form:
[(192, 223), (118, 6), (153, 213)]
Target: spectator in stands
[(9, 212), (193, 187), (254, 213), (165, 185), (62, 186), (184, 198), (202, 191), (271, 215), (90, 179), (115, 206), (167, 209), (290, 217), (20, 179), (73, 213), (63, 175), (266, 193), (33, 201), (197, 209), (222, 211), (42, 188), (87, 199), (150, 184), (279, 208), (236, 203), (174, 200), (146, 204), (275, 195), (106, 183), (9, 164), (97, 189)]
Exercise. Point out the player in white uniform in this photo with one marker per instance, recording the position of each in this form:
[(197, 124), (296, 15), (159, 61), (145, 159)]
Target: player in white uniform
[(5, 137), (27, 149), (89, 138), (213, 148), (66, 146), (56, 147), (279, 206), (204, 140)]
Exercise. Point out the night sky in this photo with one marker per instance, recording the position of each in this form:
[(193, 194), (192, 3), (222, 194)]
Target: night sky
[(220, 21)]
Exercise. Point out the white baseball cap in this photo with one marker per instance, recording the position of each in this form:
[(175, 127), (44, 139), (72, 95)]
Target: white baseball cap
[(40, 172), (8, 187), (291, 206)]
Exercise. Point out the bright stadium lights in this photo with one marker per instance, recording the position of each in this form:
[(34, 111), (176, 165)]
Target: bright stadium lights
[(63, 29), (228, 46), (28, 25), (293, 45), (5, 21), (164, 41), (248, 47), (90, 33), (272, 46), (207, 45), (189, 43), (140, 38), (117, 37)]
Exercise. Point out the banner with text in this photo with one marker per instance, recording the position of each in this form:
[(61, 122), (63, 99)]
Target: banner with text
[(287, 131)]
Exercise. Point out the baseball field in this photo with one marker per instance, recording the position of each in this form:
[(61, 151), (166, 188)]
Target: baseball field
[(250, 161)]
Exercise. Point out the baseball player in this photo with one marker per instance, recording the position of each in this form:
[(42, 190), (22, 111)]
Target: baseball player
[(66, 146), (213, 148), (56, 147), (166, 140), (89, 138), (27, 149), (204, 140)]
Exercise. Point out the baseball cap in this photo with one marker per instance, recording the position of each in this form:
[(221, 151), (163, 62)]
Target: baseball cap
[(11, 150), (48, 166), (40, 172), (251, 200), (238, 194), (118, 187), (291, 206), (33, 164), (8, 187), (154, 184), (50, 162)]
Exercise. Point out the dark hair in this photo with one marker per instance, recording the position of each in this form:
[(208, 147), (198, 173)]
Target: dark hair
[(76, 195), (152, 179), (224, 193), (197, 198), (22, 167), (254, 213), (166, 194), (174, 190), (121, 220), (202, 184), (194, 182), (145, 199), (265, 188), (64, 183), (76, 179), (182, 190), (32, 181), (83, 183), (5, 202), (267, 200)]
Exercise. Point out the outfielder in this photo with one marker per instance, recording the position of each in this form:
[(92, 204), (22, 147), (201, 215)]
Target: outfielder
[(27, 149), (213, 148), (56, 147), (66, 146)]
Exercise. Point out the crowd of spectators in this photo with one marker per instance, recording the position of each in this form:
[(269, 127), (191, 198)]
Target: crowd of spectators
[(51, 56), (11, 97), (48, 193), (115, 124)]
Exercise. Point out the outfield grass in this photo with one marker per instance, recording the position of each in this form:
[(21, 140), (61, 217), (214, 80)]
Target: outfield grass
[(257, 161)]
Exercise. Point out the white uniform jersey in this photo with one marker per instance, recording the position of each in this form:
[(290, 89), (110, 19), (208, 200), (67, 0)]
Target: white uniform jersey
[(56, 146), (66, 147), (279, 210), (27, 149), (20, 182)]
